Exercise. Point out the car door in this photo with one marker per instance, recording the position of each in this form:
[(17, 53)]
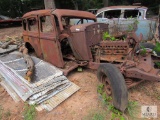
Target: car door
[(33, 34), (49, 41)]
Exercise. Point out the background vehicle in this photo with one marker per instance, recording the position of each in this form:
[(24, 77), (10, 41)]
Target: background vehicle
[(7, 21), (127, 18)]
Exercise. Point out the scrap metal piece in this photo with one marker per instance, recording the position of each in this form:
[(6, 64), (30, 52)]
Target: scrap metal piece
[(9, 49)]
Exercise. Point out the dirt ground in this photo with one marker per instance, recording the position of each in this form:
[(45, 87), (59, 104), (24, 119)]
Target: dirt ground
[(81, 104)]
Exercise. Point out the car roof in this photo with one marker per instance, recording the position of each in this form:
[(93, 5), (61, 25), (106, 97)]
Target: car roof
[(121, 7), (62, 12)]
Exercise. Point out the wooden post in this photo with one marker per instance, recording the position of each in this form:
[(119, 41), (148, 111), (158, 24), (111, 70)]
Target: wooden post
[(49, 4)]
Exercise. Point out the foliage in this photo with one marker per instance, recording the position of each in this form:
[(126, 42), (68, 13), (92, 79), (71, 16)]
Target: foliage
[(106, 35), (100, 89), (131, 27), (157, 64), (95, 115), (157, 47), (143, 51), (29, 112), (131, 108)]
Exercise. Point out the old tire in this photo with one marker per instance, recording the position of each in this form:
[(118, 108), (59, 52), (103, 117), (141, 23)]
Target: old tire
[(117, 84), (147, 46)]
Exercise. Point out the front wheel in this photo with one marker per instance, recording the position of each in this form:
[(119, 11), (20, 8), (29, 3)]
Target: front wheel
[(114, 83)]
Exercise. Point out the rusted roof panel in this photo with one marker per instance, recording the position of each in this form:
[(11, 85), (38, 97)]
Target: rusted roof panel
[(62, 12), (37, 12), (76, 13)]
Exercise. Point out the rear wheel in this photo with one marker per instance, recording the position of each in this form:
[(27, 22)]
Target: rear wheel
[(115, 85)]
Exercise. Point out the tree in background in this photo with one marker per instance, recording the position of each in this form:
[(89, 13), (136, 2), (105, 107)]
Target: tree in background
[(16, 8), (49, 4), (106, 3)]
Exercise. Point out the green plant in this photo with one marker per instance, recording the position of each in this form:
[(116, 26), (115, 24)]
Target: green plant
[(143, 51), (100, 89), (7, 114), (29, 112), (157, 47), (131, 27), (106, 35), (106, 99), (116, 114), (157, 64), (132, 105), (96, 115)]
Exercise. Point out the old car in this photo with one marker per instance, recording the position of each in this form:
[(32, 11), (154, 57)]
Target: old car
[(127, 18), (55, 36), (7, 21)]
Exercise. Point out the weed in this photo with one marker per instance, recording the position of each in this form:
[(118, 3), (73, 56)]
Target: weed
[(7, 114), (132, 105), (143, 51), (116, 114), (100, 89), (157, 47), (96, 115), (157, 64), (131, 27), (106, 99), (106, 35), (29, 112)]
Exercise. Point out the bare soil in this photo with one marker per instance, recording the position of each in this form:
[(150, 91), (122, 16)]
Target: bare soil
[(81, 104)]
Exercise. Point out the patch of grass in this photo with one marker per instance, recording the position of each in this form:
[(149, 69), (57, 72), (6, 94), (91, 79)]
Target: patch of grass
[(29, 112), (7, 114), (96, 115), (116, 114), (1, 112), (100, 89), (131, 109)]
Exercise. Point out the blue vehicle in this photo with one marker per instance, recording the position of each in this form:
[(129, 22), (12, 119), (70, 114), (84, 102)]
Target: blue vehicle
[(127, 18)]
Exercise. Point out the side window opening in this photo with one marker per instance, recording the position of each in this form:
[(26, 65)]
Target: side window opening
[(24, 25), (131, 13), (100, 15), (46, 24), (32, 24), (112, 14)]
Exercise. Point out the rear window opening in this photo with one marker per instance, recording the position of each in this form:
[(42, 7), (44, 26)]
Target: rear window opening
[(131, 13)]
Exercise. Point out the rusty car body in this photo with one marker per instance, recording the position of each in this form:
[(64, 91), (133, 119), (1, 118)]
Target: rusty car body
[(66, 40), (124, 18)]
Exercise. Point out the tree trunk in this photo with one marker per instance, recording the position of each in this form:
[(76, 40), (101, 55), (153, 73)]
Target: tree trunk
[(49, 4), (106, 3)]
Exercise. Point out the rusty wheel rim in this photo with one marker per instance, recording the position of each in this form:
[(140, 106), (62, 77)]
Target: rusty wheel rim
[(106, 83)]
